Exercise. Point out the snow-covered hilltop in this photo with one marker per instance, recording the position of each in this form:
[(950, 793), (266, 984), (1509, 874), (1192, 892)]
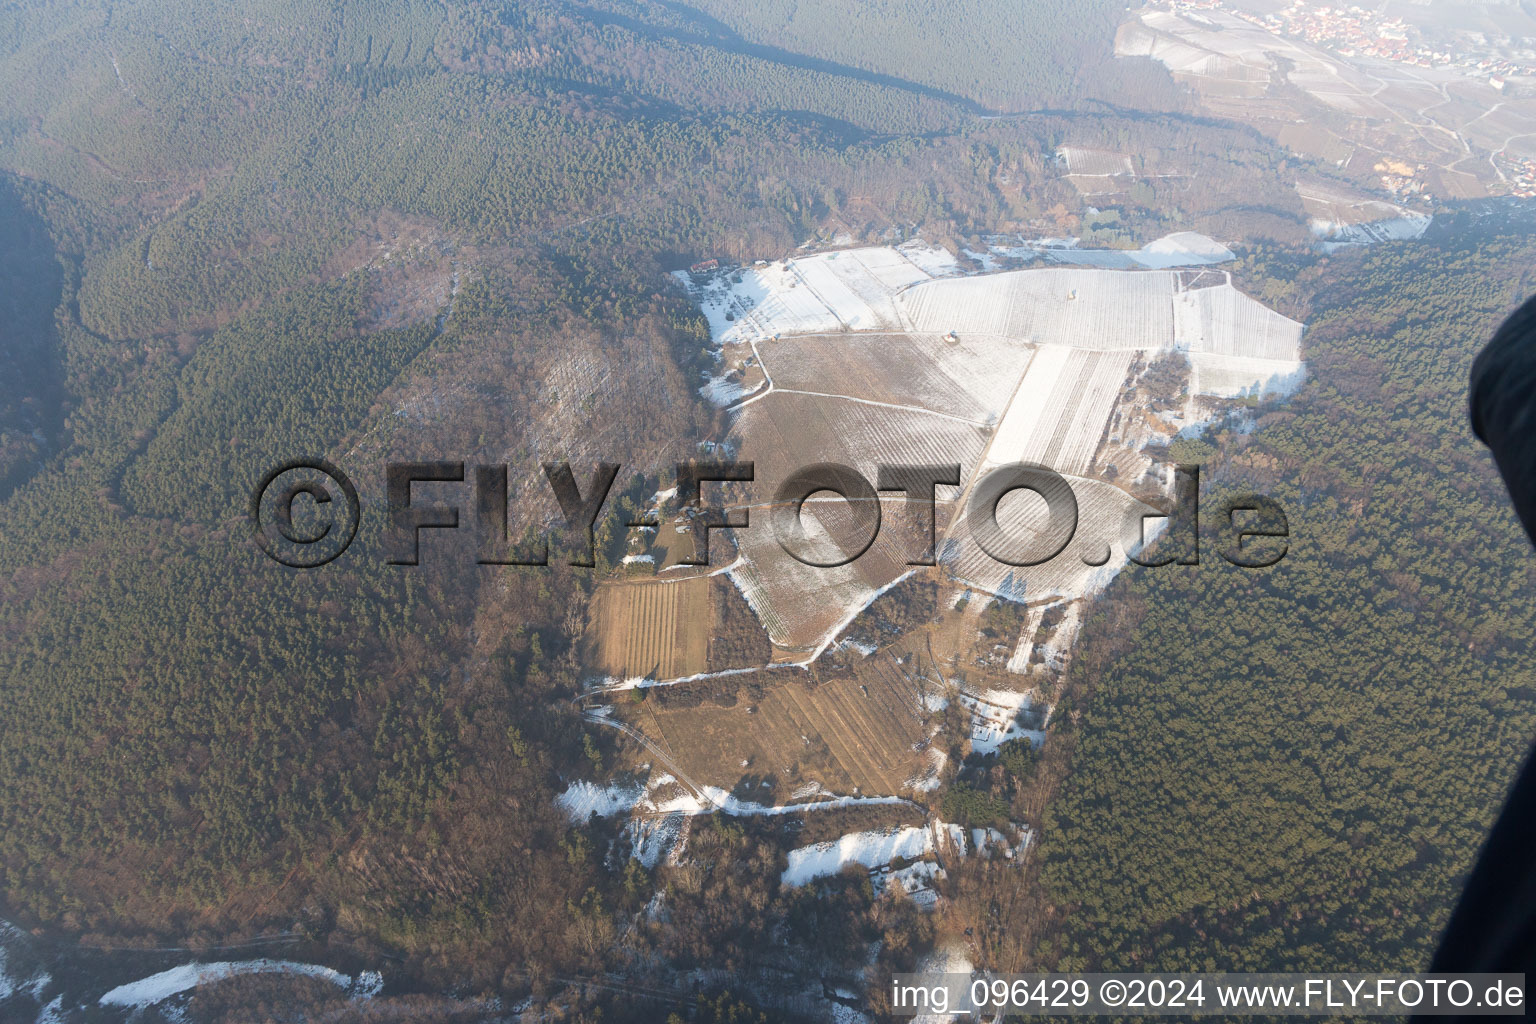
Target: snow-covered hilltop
[(891, 355)]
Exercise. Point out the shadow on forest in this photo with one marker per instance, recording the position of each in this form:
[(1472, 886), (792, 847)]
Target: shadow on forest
[(31, 371)]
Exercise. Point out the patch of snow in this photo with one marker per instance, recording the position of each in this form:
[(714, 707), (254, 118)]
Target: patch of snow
[(7, 983), (1010, 700), (952, 959), (1334, 235), (583, 799), (932, 259), (717, 799), (11, 982), (614, 684), (995, 720), (1191, 243), (983, 839), (721, 391), (870, 849), (653, 839), (157, 988), (367, 985), (916, 880), (632, 559), (1054, 648), (1001, 250), (1025, 835), (928, 779), (1018, 661), (988, 261)]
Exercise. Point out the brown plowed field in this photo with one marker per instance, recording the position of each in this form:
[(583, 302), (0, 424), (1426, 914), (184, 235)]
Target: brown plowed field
[(652, 627)]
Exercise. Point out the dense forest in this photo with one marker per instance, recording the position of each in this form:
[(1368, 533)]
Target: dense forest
[(1291, 768)]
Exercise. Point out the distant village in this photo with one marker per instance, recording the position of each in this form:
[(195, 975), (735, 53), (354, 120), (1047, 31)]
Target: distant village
[(1522, 177), (1357, 32)]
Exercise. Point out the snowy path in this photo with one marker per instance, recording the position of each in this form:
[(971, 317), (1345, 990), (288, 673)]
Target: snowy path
[(646, 684), (773, 388)]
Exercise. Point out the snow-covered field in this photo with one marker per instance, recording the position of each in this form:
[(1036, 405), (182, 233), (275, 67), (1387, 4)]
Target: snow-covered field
[(1103, 511), (970, 377), (893, 355), (846, 290), (1405, 227), (1104, 310), (862, 289), (934, 260), (1180, 249), (1202, 49), (1081, 160), (1343, 217), (1060, 410), (1095, 309), (1224, 321)]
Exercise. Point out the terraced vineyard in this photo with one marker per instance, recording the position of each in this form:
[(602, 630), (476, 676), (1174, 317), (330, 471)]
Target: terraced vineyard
[(851, 735), (892, 356), (659, 629)]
